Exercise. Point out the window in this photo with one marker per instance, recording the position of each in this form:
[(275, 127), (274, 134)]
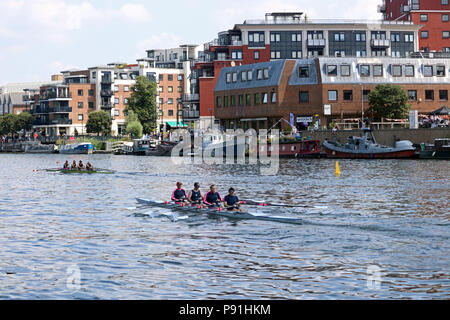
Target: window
[(236, 55), (241, 99), (332, 70), (91, 92), (424, 34), (180, 77), (445, 18), (248, 99), (228, 77), (409, 71), (169, 89), (80, 117), (304, 96), (264, 98), (445, 34), (360, 37), (273, 97), (428, 71), (397, 70), (361, 53), (233, 101), (116, 88), (116, 100), (409, 38), (80, 93), (161, 77), (345, 70), (266, 73), (125, 101), (275, 37), (161, 101), (296, 37), (256, 55), (348, 95), (116, 113), (440, 71), (170, 113), (303, 72), (332, 95), (170, 77), (244, 76), (443, 95), (94, 75), (412, 95), (180, 89), (219, 102), (366, 95), (296, 54), (256, 37), (275, 54), (234, 76), (91, 105), (126, 88), (123, 76), (249, 75), (170, 101), (395, 37), (378, 70), (364, 70), (257, 98), (259, 74), (424, 17), (225, 101), (429, 95), (444, 2), (80, 105)]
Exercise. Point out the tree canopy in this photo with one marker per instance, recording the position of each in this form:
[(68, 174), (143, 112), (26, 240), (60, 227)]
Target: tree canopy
[(99, 122), (143, 103), (389, 101), (13, 123)]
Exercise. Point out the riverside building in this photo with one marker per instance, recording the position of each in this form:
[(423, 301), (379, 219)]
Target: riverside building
[(282, 36)]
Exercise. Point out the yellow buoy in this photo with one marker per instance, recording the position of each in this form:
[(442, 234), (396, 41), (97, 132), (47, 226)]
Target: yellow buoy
[(338, 170)]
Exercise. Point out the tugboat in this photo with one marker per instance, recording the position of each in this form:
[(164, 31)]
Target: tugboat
[(366, 147), (439, 150)]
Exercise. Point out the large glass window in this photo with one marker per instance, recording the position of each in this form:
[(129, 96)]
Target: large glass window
[(332, 95), (365, 70)]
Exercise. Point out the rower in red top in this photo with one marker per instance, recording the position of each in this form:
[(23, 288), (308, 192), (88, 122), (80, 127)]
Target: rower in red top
[(213, 198), (179, 194)]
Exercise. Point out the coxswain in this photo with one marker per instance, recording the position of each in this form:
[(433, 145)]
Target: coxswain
[(212, 198), (80, 165), (74, 165), (179, 194), (66, 165), (231, 201), (89, 166), (195, 195)]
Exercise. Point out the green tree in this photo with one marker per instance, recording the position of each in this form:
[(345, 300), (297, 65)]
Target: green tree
[(143, 103), (131, 117), (389, 101), (135, 129), (25, 121), (9, 124), (99, 122)]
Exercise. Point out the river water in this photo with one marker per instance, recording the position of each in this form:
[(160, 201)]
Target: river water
[(380, 230)]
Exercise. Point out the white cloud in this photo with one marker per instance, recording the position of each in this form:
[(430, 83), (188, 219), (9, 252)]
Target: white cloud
[(135, 12)]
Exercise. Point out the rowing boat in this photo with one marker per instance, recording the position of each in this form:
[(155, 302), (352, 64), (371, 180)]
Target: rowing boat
[(215, 212), (70, 171)]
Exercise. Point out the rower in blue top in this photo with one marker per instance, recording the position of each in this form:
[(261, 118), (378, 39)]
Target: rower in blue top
[(179, 194), (232, 201), (212, 198), (195, 196)]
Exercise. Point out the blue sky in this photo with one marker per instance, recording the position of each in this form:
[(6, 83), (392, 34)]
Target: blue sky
[(42, 37)]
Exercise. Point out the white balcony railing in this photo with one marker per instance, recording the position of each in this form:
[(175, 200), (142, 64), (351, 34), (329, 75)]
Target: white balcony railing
[(316, 42), (380, 43)]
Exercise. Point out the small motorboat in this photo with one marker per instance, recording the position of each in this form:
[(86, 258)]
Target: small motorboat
[(77, 148), (366, 147), (439, 150)]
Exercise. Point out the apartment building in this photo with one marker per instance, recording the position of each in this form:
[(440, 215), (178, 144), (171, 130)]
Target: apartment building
[(432, 15), (283, 36), (258, 95)]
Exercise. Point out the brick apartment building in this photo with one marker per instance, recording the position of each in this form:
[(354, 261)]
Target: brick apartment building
[(433, 15), (291, 36), (258, 95)]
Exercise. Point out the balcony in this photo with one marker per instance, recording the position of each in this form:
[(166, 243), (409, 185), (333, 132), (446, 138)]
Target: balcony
[(60, 110), (106, 80), (53, 122), (55, 96), (190, 115), (317, 43), (106, 93), (191, 97), (107, 106), (380, 43)]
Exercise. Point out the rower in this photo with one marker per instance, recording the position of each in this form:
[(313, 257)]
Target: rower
[(66, 165), (80, 165), (232, 201), (195, 196), (212, 198), (89, 166), (74, 165), (179, 194)]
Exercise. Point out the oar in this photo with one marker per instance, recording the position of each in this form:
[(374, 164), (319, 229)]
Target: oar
[(270, 204)]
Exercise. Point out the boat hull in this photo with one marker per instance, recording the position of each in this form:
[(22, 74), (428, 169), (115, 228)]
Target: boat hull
[(403, 154), (442, 155)]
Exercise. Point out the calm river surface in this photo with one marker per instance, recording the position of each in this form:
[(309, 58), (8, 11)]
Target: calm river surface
[(381, 230)]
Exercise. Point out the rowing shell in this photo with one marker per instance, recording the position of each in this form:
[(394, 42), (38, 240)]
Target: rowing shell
[(98, 171), (225, 214)]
